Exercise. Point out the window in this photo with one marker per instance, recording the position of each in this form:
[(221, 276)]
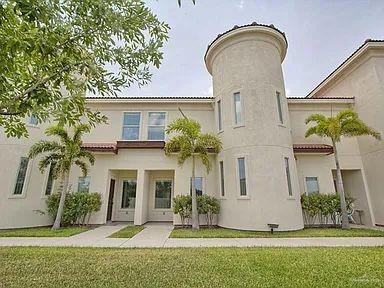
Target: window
[(48, 188), (21, 175), (242, 176), (163, 194), (312, 185), (156, 125), (129, 194), (198, 186), (238, 109), (219, 120), (288, 173), (83, 184), (131, 126), (221, 164), (279, 109), (33, 120)]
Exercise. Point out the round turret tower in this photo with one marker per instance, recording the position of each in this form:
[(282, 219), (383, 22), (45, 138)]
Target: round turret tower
[(257, 161)]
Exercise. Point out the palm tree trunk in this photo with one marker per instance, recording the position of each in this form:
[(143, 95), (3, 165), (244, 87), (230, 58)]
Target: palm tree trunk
[(56, 224), (195, 215), (340, 187)]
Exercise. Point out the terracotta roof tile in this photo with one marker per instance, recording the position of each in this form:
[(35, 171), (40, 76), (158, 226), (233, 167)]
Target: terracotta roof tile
[(312, 148)]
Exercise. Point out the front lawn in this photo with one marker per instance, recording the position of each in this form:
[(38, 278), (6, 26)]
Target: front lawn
[(307, 232), (192, 267), (127, 232), (42, 232)]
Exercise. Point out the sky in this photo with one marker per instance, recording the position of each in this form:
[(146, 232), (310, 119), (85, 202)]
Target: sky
[(321, 35)]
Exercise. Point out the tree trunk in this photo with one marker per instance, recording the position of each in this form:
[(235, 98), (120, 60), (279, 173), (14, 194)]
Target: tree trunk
[(340, 187), (195, 215), (56, 224)]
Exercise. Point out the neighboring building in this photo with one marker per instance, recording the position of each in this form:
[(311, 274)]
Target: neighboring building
[(266, 162)]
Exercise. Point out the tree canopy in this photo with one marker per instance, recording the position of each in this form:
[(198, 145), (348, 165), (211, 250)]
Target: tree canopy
[(53, 51)]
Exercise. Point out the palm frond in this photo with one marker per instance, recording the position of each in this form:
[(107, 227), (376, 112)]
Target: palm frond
[(318, 118), (357, 127), (204, 157), (59, 131), (83, 166), (181, 145), (48, 160), (79, 131), (207, 142), (185, 126), (44, 146), (86, 154)]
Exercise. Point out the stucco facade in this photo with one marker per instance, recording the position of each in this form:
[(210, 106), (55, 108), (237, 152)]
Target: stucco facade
[(266, 161)]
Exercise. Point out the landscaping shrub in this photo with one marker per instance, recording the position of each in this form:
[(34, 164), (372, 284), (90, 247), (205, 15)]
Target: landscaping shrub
[(78, 207), (206, 205), (323, 207)]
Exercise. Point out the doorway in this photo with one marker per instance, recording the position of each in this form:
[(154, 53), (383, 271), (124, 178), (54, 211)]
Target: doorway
[(110, 199)]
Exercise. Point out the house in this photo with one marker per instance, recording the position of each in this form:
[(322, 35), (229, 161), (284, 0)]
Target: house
[(266, 162)]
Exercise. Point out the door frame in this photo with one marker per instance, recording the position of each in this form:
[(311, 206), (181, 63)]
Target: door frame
[(111, 192)]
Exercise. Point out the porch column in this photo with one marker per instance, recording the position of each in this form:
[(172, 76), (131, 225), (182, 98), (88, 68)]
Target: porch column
[(141, 204)]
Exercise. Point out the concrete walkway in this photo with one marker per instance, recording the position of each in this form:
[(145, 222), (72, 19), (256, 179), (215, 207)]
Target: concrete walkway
[(156, 235)]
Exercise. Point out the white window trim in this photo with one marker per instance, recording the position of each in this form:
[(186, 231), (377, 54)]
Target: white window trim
[(290, 161), (140, 126), (305, 183), (121, 194), (279, 103), (234, 124), (221, 115), (165, 125), (26, 180), (154, 194), (220, 186), (45, 182), (247, 196)]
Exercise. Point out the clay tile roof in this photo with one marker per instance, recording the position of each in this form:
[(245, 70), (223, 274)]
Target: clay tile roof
[(100, 147), (312, 148)]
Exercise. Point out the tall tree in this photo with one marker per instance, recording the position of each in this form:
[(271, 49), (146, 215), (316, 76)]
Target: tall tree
[(345, 124), (53, 51), (190, 143), (62, 155)]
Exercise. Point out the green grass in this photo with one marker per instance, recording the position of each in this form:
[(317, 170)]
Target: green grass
[(307, 232), (42, 232), (192, 267), (127, 232)]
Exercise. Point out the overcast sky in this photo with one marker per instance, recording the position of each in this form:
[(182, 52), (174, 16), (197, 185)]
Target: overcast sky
[(321, 34)]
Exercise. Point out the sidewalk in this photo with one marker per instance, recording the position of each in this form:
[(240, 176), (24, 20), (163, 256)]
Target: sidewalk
[(156, 235)]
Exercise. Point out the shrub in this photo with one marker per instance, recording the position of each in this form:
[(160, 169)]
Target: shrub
[(209, 206), (323, 207), (182, 205), (76, 208)]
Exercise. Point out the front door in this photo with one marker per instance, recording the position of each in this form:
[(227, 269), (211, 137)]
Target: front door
[(110, 199)]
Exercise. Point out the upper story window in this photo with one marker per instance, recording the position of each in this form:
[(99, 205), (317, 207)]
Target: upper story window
[(238, 108), (312, 185), (279, 107), (219, 117), (198, 186), (21, 175), (83, 184), (33, 120), (288, 174), (156, 125), (131, 125), (242, 176)]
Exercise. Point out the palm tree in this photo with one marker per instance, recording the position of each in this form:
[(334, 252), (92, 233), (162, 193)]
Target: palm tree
[(191, 143), (345, 124), (61, 155)]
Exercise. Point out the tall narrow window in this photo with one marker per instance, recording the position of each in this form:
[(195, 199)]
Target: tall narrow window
[(279, 109), (242, 176), (131, 126), (238, 108), (288, 173), (129, 194), (312, 185), (221, 164), (198, 186), (21, 174), (33, 120), (219, 119), (48, 188), (163, 194), (83, 184), (156, 125)]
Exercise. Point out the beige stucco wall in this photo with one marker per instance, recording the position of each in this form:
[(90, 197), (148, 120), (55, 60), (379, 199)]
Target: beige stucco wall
[(364, 80)]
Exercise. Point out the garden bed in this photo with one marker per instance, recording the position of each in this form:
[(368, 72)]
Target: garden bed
[(218, 232)]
